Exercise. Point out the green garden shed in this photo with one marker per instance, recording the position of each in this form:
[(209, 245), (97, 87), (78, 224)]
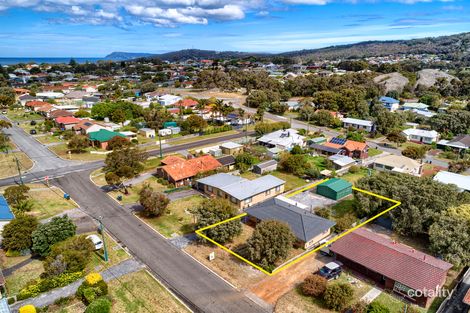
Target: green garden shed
[(335, 188)]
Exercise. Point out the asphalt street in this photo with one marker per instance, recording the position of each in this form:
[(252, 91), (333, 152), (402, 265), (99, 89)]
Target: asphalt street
[(198, 287)]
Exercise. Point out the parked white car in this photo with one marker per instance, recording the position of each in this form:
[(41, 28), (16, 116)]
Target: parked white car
[(97, 243)]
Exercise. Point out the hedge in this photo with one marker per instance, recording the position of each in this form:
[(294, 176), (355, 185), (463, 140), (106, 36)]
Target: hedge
[(43, 285)]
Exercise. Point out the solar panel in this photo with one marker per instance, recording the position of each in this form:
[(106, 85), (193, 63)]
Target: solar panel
[(338, 141)]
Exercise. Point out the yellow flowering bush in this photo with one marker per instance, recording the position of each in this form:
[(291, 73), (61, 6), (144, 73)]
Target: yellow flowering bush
[(27, 309), (93, 278)]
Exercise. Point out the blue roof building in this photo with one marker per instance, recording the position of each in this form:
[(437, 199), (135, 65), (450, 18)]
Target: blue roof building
[(389, 103), (5, 211)]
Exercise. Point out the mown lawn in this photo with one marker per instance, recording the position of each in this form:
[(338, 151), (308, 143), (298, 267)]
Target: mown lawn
[(373, 152), (177, 220), (22, 276), (354, 177), (140, 292), (292, 181), (8, 165), (343, 207), (20, 115), (133, 192), (318, 161), (62, 151), (199, 138), (49, 202)]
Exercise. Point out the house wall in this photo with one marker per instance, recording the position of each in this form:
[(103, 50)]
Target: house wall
[(312, 242), (231, 151), (380, 280), (358, 127)]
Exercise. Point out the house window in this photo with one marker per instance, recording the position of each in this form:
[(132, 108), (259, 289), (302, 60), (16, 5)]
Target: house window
[(249, 200), (209, 188), (267, 192), (220, 193), (234, 200), (278, 188)]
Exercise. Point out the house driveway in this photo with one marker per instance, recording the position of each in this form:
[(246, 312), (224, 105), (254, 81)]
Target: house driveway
[(271, 288)]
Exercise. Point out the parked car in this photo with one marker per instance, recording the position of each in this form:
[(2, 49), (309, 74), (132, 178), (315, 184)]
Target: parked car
[(331, 270), (32, 123), (4, 112), (33, 132), (96, 241)]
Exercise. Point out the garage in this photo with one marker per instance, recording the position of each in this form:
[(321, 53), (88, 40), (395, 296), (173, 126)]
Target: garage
[(335, 188)]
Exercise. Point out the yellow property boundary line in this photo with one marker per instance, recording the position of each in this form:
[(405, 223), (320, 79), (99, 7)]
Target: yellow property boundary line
[(277, 270)]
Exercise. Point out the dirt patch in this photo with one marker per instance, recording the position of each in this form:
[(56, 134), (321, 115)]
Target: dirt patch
[(271, 288)]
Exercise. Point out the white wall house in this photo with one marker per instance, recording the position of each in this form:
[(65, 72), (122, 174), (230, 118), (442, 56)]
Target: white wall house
[(358, 124), (282, 139), (167, 100), (421, 135)]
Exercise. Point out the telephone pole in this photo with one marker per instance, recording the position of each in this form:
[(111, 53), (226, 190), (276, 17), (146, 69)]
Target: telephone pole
[(19, 170), (101, 228)]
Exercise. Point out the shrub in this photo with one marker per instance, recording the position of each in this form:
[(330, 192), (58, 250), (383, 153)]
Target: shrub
[(353, 169), (17, 235), (344, 222), (376, 307), (93, 278), (29, 308), (359, 307), (101, 305), (46, 235), (43, 285), (338, 296), (89, 292), (323, 212), (314, 285)]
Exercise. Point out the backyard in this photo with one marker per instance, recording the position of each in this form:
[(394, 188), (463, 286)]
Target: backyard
[(133, 192)]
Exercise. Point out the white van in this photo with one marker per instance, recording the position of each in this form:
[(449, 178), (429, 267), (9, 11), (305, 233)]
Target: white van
[(97, 243)]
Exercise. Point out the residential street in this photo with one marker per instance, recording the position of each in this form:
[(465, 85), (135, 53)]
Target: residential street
[(198, 287)]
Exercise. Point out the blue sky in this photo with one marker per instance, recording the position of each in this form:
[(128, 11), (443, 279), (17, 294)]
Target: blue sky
[(94, 28)]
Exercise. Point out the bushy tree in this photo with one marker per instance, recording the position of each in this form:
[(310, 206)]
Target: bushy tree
[(100, 305), (17, 234), (215, 210), (68, 256), (7, 97), (314, 285), (397, 137), (125, 163), (243, 161), (449, 235), (271, 241), (78, 143), (325, 118), (154, 203), (196, 123), (459, 166), (118, 142), (295, 164), (338, 296), (16, 194), (48, 234), (265, 128), (414, 152)]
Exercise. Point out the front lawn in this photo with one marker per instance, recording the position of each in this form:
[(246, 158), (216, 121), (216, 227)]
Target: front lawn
[(62, 151), (354, 177), (140, 292), (48, 138), (49, 202), (133, 192), (203, 137), (20, 115), (373, 152), (116, 255), (177, 220), (343, 207), (318, 161), (8, 165), (19, 278)]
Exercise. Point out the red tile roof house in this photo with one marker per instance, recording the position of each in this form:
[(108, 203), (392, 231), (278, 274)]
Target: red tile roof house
[(57, 113), (393, 266), (35, 105), (186, 103), (66, 122), (180, 172)]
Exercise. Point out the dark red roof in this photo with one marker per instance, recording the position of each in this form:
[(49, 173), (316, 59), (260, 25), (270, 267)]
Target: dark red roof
[(394, 260), (67, 120)]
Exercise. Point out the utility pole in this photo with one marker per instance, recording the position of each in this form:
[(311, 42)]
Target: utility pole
[(101, 228), (19, 170)]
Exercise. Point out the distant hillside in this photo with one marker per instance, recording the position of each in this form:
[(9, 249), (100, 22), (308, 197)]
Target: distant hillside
[(118, 56), (453, 47)]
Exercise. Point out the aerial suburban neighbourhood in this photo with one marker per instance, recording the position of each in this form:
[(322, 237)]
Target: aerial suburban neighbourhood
[(333, 176)]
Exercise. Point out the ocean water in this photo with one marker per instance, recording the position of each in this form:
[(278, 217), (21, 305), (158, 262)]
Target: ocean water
[(10, 61)]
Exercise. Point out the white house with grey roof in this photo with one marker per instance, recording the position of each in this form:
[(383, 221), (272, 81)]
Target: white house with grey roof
[(282, 139), (421, 135), (241, 191), (308, 228), (358, 124)]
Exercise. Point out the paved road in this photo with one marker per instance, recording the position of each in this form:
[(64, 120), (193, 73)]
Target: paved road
[(198, 287), (36, 174), (43, 158)]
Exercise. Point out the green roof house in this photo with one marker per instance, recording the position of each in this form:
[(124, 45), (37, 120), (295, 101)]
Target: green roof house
[(102, 137), (335, 188)]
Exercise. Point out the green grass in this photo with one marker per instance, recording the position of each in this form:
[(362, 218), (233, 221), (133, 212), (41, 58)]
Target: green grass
[(49, 202), (133, 192), (354, 177), (116, 255), (318, 161), (8, 163), (48, 138), (373, 152), (61, 150), (343, 207), (22, 276), (21, 115), (392, 303), (177, 220), (152, 163), (139, 292), (292, 181)]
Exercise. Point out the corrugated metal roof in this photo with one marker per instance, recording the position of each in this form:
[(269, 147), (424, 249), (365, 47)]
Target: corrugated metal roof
[(304, 225), (336, 184), (104, 135)]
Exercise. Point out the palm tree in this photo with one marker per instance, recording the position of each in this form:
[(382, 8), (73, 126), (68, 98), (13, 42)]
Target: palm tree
[(218, 106)]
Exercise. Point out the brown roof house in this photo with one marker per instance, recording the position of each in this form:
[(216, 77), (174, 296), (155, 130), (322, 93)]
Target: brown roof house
[(394, 266), (179, 171)]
